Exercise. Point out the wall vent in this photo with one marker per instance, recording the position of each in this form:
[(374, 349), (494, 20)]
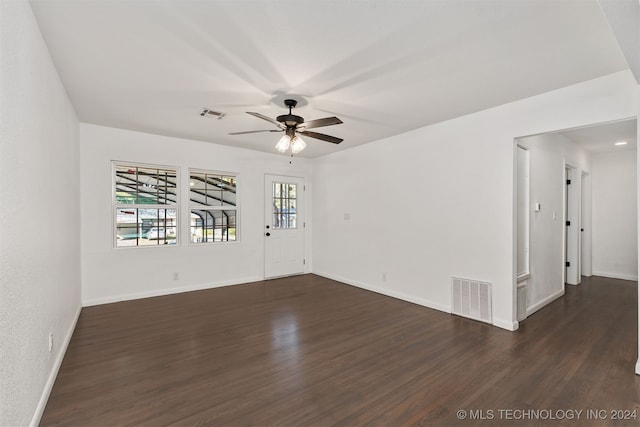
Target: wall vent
[(522, 300), (471, 298), (208, 112)]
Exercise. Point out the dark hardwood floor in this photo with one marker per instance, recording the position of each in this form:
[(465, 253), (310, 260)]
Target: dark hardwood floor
[(308, 351)]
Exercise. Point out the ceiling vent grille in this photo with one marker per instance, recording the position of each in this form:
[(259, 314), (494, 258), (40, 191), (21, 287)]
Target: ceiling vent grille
[(207, 112), (471, 298)]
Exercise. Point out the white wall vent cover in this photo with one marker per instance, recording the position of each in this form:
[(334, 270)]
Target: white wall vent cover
[(522, 300), (471, 298)]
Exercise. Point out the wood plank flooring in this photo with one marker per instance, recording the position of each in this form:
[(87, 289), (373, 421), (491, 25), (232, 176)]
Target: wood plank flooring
[(308, 351)]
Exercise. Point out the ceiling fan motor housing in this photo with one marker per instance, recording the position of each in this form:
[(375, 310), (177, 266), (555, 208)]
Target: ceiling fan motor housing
[(290, 120)]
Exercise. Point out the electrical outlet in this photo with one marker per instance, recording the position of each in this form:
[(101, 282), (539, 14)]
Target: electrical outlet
[(175, 275), (50, 341)]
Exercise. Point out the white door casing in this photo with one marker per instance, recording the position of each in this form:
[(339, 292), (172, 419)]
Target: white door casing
[(572, 218)]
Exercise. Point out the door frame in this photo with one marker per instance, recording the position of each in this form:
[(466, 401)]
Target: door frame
[(585, 225), (268, 176)]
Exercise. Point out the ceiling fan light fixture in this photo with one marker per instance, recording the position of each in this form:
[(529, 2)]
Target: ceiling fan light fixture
[(290, 124), (283, 145), (297, 144)]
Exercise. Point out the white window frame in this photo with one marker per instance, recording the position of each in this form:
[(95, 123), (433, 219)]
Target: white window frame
[(115, 205), (193, 206)]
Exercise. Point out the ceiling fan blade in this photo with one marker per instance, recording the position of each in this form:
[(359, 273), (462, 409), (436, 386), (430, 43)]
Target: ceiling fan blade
[(327, 121), (269, 119), (255, 131), (322, 136)]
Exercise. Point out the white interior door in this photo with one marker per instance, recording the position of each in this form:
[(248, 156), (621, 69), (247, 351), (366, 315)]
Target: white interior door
[(284, 226)]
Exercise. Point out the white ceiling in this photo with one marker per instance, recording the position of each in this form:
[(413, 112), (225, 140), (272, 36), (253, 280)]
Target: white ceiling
[(383, 67), (602, 137)]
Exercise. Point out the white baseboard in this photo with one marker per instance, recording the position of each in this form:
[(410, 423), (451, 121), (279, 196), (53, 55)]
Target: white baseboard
[(388, 292), (506, 324), (638, 367), (548, 300), (167, 291), (616, 276), (44, 398)]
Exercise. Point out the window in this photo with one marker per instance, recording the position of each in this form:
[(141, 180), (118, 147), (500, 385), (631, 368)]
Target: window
[(284, 196), (213, 204), (145, 200)]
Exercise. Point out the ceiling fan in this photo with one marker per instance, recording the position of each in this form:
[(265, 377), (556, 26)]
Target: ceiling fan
[(293, 125)]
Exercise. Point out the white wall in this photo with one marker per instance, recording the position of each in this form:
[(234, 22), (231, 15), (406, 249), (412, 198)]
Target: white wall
[(110, 274), (638, 220), (39, 217), (549, 153), (438, 201), (615, 228)]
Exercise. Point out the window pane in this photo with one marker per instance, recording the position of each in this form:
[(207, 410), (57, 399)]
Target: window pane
[(136, 186), (145, 227), (145, 185), (214, 196), (213, 225), (127, 227), (229, 191), (211, 197), (212, 189), (197, 181), (284, 205), (168, 176), (126, 185), (167, 186)]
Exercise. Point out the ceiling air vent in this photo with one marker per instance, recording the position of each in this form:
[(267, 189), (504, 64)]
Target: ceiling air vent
[(207, 112)]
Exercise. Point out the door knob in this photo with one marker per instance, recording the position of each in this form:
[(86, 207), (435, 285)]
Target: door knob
[(268, 234)]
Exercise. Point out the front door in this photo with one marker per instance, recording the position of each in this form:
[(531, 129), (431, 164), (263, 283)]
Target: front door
[(284, 226)]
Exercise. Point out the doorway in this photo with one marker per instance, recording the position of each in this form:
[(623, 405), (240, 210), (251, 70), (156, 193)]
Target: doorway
[(283, 226), (585, 226), (572, 173)]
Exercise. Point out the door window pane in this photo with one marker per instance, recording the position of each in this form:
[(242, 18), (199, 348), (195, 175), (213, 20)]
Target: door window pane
[(284, 205)]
